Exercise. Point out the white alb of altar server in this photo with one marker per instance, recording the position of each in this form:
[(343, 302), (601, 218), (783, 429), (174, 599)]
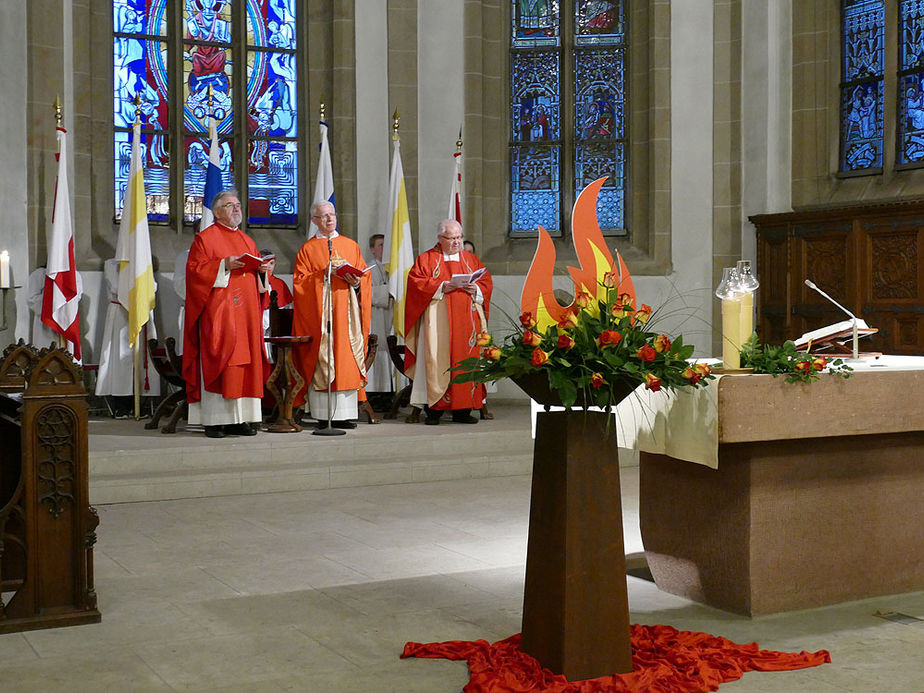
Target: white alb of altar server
[(380, 374), (42, 335), (116, 357)]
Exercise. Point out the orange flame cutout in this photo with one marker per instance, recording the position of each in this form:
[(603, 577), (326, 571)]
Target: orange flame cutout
[(594, 257)]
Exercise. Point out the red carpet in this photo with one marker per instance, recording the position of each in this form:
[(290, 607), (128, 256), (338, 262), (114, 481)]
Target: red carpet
[(665, 660)]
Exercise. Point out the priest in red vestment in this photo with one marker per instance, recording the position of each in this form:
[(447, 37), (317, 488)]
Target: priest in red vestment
[(444, 317), (224, 361), (350, 296)]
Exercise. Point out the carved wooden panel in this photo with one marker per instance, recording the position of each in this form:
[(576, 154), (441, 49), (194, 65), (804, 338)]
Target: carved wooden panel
[(894, 265)]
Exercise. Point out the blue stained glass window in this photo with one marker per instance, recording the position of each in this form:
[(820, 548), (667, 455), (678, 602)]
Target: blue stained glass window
[(535, 107), (155, 161), (535, 23), (212, 38), (273, 182), (591, 142), (911, 83), (863, 56), (534, 179)]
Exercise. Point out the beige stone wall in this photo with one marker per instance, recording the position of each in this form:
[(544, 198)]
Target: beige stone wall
[(647, 245), (815, 111)]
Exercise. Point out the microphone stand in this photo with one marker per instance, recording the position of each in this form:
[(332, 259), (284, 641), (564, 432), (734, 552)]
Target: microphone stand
[(328, 317), (856, 337)]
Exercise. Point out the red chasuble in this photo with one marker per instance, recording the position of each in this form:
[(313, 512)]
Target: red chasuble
[(308, 283), (430, 270), (224, 326)]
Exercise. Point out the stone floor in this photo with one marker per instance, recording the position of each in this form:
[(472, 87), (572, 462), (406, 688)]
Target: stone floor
[(319, 590)]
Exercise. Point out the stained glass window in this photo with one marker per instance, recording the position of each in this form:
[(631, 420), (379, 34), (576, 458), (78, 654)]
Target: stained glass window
[(911, 83), (567, 127), (861, 100), (237, 63)]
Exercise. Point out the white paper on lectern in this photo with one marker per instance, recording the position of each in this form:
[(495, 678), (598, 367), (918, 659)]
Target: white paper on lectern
[(842, 328), (463, 279)]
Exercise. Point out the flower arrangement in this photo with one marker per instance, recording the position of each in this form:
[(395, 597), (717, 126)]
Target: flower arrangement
[(596, 353), (797, 366)]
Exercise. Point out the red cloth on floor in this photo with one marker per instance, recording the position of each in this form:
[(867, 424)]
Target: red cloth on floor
[(665, 660)]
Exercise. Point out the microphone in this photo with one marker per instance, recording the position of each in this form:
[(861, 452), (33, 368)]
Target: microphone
[(330, 246), (856, 351)]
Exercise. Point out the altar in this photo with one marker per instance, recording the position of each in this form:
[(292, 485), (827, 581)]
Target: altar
[(759, 496)]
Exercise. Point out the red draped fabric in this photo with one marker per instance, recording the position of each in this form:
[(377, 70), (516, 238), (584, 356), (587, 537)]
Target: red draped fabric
[(665, 660)]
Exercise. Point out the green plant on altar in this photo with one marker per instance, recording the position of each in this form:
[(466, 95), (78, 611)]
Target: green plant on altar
[(597, 349), (797, 366)]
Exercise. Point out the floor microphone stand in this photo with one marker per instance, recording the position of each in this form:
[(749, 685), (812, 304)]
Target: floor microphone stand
[(329, 430)]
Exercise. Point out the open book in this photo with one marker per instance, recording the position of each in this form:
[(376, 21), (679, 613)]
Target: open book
[(838, 336), (252, 262), (463, 279), (346, 268)]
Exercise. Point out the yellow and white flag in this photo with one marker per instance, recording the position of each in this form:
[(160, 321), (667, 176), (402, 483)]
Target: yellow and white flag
[(136, 271), (397, 248)]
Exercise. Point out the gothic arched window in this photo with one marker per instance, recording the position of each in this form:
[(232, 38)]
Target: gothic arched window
[(861, 89), (187, 60), (911, 84), (568, 105)]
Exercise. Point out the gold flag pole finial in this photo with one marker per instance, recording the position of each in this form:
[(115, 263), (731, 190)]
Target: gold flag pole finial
[(323, 113), (58, 116), (459, 141), (394, 126), (211, 112), (137, 102)]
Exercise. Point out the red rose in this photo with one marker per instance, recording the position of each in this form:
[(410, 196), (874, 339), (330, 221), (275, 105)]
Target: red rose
[(692, 375), (539, 357), (596, 380), (531, 338), (646, 353), (493, 353), (819, 363), (608, 338), (803, 366), (652, 382), (565, 342), (583, 299), (528, 320), (568, 320), (662, 343), (702, 368), (643, 313), (483, 339)]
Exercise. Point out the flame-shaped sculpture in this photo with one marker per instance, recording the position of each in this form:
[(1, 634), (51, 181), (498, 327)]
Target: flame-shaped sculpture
[(596, 264)]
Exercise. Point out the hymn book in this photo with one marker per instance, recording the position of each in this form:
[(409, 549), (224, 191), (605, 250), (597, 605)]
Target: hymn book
[(838, 336), (252, 262), (346, 269), (463, 279)]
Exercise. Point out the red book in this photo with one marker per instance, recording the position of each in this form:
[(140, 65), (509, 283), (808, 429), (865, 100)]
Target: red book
[(346, 268), (252, 262)]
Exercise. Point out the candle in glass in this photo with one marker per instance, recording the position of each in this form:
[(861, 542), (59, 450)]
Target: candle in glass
[(730, 293), (748, 284)]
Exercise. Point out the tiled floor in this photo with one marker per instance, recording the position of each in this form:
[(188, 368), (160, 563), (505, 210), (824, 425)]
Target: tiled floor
[(319, 591)]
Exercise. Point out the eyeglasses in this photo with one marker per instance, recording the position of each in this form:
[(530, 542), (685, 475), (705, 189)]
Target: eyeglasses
[(331, 215), (452, 239), (231, 205)]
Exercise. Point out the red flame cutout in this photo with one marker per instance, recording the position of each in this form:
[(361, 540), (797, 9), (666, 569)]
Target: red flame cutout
[(596, 264)]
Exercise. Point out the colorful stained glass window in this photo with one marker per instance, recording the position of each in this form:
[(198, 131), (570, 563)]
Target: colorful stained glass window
[(217, 40), (911, 83), (861, 108), (591, 141)]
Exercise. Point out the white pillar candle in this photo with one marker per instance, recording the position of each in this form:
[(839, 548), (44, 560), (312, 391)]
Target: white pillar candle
[(731, 333), (4, 270), (747, 316)]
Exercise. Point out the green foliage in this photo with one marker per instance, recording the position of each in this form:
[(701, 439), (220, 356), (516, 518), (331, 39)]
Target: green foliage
[(797, 366)]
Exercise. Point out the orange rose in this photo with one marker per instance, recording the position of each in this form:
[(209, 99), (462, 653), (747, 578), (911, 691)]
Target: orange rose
[(608, 338), (662, 343), (646, 353), (596, 380), (483, 339), (702, 368), (539, 357), (531, 338), (565, 342), (568, 320), (619, 311), (643, 313), (652, 382), (691, 374), (583, 299), (493, 353), (803, 366), (528, 320), (625, 299), (610, 280), (819, 363)]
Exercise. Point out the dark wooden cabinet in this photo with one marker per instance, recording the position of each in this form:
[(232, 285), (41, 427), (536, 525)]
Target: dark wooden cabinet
[(866, 257)]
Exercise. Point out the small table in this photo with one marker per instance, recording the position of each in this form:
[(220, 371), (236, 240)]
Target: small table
[(284, 382)]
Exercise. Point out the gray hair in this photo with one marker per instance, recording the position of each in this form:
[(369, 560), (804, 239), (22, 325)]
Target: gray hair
[(314, 207), (445, 225), (223, 194)]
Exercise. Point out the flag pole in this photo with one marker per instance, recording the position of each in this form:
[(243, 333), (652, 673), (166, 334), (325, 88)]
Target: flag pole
[(136, 361), (395, 137), (59, 336)]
